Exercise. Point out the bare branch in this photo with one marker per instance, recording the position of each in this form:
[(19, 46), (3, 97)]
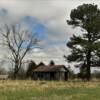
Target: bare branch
[(14, 40)]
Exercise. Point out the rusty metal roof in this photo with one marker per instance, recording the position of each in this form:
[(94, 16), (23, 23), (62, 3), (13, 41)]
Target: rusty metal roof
[(49, 68)]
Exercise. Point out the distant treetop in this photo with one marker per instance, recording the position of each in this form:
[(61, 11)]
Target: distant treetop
[(51, 62)]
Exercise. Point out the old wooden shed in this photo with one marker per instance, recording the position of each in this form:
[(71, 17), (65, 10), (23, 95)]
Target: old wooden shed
[(51, 72)]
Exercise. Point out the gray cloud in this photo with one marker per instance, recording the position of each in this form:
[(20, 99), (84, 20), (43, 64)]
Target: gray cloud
[(53, 14)]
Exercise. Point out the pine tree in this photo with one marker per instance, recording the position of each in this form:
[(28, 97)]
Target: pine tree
[(85, 48)]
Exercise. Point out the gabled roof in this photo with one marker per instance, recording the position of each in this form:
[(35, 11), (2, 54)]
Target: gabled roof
[(50, 68)]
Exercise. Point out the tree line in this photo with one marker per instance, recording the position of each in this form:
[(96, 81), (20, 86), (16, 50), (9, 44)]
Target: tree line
[(23, 73)]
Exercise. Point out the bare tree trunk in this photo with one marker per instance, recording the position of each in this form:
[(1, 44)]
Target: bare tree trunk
[(16, 69)]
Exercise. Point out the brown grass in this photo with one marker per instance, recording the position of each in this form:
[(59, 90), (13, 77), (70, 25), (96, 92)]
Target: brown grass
[(42, 85)]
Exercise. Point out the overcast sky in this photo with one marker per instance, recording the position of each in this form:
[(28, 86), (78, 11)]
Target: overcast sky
[(49, 18)]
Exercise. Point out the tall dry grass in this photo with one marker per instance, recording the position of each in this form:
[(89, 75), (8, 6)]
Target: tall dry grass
[(42, 85)]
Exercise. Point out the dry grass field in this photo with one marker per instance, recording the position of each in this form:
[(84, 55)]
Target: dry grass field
[(48, 90)]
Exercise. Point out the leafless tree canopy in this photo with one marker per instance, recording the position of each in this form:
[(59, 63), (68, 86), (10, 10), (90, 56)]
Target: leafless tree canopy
[(18, 41)]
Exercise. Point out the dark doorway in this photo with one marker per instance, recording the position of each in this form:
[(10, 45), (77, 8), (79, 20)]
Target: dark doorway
[(66, 76), (52, 76)]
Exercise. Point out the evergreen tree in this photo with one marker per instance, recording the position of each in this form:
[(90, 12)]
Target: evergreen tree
[(32, 65), (52, 62), (85, 48)]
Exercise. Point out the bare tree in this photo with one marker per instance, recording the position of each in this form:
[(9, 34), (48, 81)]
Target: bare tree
[(19, 42)]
